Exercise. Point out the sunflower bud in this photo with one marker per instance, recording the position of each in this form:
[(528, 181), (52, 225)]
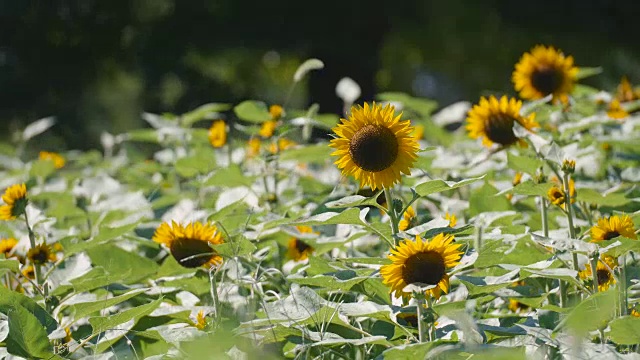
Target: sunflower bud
[(569, 166), (397, 206)]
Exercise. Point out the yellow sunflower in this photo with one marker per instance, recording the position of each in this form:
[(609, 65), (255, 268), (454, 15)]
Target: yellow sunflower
[(452, 219), (422, 262), (29, 272), (15, 198), (612, 227), (276, 112), (58, 160), (218, 134), (254, 147), (408, 219), (299, 250), (7, 246), (603, 272), (190, 244), (626, 92), (493, 121), (616, 111), (281, 144), (41, 254), (374, 146), (556, 196), (517, 178), (201, 320), (635, 313), (516, 306), (267, 129), (543, 71)]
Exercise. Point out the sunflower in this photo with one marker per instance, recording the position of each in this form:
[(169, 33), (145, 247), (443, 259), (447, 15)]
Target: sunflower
[(201, 320), (276, 112), (556, 196), (635, 313), (281, 144), (40, 254), (218, 134), (15, 198), (452, 219), (516, 306), (616, 111), (517, 178), (612, 227), (603, 272), (408, 219), (374, 146), (190, 244), (493, 121), (58, 160), (626, 92), (543, 71), (29, 272), (422, 262), (254, 147), (267, 129), (7, 246), (298, 249)]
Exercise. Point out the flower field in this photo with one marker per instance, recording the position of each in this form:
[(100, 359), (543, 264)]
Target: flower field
[(396, 230)]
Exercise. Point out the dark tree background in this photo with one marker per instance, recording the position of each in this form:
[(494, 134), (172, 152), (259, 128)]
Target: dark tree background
[(97, 64)]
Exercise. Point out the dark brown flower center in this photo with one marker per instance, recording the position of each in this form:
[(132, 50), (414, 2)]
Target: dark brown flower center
[(547, 80), (603, 276), (499, 129), (39, 256), (374, 148), (610, 235), (191, 253), (425, 267), (301, 246)]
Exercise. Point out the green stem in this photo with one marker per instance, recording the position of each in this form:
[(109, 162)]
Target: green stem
[(563, 293), (214, 295), (572, 230), (432, 325), (477, 241), (392, 213), (32, 242), (419, 314), (624, 305), (594, 271), (543, 214)]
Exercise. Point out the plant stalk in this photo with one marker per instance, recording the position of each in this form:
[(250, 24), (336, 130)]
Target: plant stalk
[(419, 314), (392, 213), (32, 243)]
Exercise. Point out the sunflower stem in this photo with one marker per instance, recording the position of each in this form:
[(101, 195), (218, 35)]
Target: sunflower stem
[(543, 215), (32, 243), (392, 213), (594, 271), (432, 324), (419, 314), (563, 293), (214, 295), (624, 305), (572, 230), (477, 241)]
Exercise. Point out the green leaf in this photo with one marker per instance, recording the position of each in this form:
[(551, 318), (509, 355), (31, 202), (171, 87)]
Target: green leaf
[(591, 314), (354, 200), (625, 330), (349, 216), (525, 164), (424, 107), (584, 72), (42, 168), (203, 112), (412, 351), (27, 337), (73, 245), (10, 264), (230, 176), (530, 188), (318, 153), (487, 199), (436, 186), (594, 197), (80, 310), (125, 266), (239, 246), (344, 280), (143, 135), (496, 252), (11, 300), (201, 162), (624, 245), (252, 111)]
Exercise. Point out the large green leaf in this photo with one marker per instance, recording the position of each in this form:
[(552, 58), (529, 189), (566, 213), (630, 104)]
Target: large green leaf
[(11, 300), (594, 197), (591, 314), (436, 186), (525, 164), (80, 310), (252, 111), (231, 176), (202, 161), (125, 266), (625, 330), (27, 337)]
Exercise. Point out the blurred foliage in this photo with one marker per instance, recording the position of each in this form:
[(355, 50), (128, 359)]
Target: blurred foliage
[(97, 65)]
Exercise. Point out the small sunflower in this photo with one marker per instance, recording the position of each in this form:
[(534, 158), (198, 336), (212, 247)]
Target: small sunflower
[(15, 198), (280, 145), (41, 254), (626, 92), (616, 111), (603, 272), (276, 112), (516, 306), (190, 244), (517, 178), (543, 71), (374, 146), (556, 196), (7, 246), (299, 250), (29, 272), (267, 129), (201, 320), (254, 147), (452, 219), (422, 262), (58, 160), (493, 121), (635, 313), (612, 227), (218, 134), (408, 219)]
